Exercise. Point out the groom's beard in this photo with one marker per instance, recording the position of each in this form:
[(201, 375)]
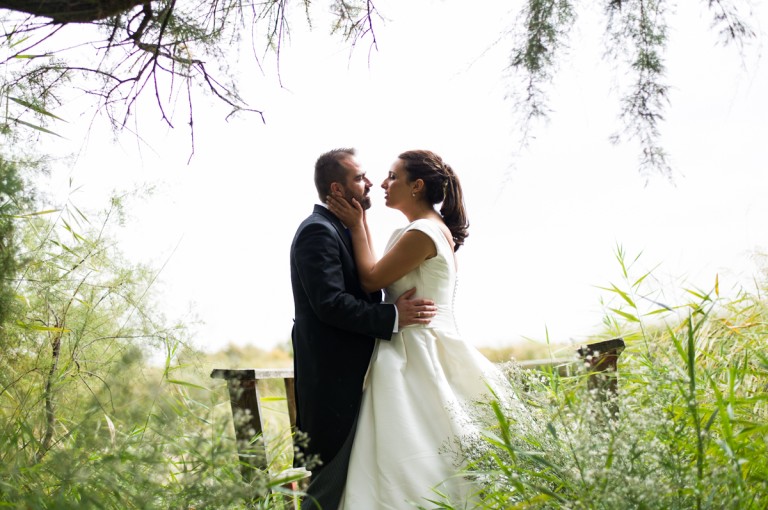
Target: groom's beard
[(364, 200)]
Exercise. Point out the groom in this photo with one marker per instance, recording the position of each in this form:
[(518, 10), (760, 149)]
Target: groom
[(335, 327)]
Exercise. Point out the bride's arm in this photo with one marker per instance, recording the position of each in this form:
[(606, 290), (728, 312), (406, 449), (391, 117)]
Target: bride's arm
[(410, 250), (413, 248), (368, 236)]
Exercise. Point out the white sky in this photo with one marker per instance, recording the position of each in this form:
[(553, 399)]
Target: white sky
[(545, 220)]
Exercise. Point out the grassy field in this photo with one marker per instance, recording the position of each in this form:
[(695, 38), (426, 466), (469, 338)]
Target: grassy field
[(688, 427)]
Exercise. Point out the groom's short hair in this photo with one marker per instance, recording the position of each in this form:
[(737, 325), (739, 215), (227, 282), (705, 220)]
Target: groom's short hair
[(328, 169)]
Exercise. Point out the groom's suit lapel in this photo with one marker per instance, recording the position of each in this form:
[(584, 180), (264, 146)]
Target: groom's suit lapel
[(343, 233)]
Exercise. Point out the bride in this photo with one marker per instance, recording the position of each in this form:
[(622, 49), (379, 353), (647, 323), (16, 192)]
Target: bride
[(419, 384)]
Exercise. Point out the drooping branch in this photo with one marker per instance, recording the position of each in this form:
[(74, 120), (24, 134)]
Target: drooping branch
[(542, 34), (637, 39), (144, 48), (727, 19), (637, 33), (151, 48), (355, 21)]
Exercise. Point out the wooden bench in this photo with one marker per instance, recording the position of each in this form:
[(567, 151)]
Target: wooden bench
[(600, 358)]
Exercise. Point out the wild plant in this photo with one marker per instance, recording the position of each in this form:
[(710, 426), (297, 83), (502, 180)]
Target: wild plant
[(687, 428), (87, 420)]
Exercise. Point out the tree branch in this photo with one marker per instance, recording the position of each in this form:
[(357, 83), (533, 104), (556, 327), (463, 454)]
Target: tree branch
[(71, 11)]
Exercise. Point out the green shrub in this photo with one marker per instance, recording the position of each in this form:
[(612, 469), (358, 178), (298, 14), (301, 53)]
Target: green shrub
[(691, 430), (86, 420)]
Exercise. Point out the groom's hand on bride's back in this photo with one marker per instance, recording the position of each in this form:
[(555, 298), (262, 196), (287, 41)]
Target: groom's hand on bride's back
[(414, 311)]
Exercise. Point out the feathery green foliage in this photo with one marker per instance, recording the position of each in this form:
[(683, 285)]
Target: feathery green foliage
[(87, 418), (691, 429), (163, 49), (166, 49), (636, 42), (13, 201)]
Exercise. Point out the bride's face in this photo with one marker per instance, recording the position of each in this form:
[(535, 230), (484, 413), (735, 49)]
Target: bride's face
[(397, 190)]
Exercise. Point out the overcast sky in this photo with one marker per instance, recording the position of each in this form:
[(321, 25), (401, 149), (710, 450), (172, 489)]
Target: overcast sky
[(545, 220)]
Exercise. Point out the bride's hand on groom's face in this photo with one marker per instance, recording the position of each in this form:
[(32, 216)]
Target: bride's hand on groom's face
[(350, 214)]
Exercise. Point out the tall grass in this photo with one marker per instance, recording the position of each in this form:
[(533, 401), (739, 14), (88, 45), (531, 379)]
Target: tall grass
[(168, 443), (692, 424), (85, 420), (86, 423)]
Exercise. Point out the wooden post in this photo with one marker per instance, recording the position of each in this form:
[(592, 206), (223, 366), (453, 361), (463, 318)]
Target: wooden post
[(602, 359), (246, 415), (245, 400)]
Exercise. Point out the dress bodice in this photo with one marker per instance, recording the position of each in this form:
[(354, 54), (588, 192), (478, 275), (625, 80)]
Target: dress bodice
[(434, 279)]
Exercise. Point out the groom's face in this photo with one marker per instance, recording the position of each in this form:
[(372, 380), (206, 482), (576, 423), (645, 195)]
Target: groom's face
[(357, 184)]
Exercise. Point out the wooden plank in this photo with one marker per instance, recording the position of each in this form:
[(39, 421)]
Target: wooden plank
[(602, 360), (562, 365), (246, 416), (290, 398), (251, 373)]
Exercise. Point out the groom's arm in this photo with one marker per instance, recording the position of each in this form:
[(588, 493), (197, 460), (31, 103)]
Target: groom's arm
[(317, 254)]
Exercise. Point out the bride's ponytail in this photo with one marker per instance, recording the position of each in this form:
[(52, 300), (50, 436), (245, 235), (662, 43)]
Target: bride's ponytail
[(453, 210), (441, 186)]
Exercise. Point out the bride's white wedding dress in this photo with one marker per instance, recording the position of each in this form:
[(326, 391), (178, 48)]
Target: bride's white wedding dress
[(414, 403)]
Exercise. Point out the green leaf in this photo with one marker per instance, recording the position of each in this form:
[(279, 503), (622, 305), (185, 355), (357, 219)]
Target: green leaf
[(39, 128), (624, 295), (17, 42), (551, 429), (80, 213), (626, 315), (640, 280), (36, 327), (35, 108), (287, 476), (699, 295), (30, 215), (185, 383), (69, 228)]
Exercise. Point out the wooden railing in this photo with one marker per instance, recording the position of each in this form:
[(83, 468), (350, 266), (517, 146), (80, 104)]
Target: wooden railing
[(601, 358), (245, 400)]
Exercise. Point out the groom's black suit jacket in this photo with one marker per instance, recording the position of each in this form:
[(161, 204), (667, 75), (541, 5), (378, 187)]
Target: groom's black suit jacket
[(336, 324)]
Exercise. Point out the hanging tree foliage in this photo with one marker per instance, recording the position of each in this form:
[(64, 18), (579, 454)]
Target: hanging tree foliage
[(120, 50), (636, 41), (165, 47)]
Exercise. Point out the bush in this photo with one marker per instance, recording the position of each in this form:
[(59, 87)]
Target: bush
[(691, 429), (85, 420)]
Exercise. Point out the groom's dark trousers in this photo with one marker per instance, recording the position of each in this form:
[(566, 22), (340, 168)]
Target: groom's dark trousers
[(335, 327)]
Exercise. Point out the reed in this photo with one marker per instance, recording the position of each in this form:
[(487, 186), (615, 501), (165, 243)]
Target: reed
[(692, 424)]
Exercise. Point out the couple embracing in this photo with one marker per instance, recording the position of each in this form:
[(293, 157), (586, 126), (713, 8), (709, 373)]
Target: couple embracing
[(381, 386)]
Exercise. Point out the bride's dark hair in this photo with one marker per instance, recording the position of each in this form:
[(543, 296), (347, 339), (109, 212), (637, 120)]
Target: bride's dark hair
[(441, 184)]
